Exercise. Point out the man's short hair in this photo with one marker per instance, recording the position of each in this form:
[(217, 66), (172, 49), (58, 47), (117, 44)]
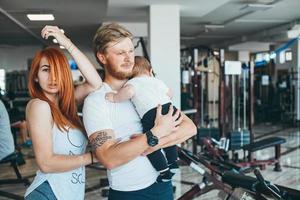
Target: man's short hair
[(105, 34)]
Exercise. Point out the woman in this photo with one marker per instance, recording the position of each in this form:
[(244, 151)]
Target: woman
[(56, 131)]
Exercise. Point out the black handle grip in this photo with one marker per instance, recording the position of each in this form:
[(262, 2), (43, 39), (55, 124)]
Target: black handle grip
[(259, 177)]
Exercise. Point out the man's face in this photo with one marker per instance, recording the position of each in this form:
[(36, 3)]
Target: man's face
[(119, 59)]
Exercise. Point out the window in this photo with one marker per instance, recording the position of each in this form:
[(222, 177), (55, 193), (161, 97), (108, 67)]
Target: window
[(2, 79), (288, 55)]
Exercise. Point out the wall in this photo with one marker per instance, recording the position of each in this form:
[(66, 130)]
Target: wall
[(15, 58), (164, 43)]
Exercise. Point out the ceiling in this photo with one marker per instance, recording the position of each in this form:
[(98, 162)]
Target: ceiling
[(80, 19)]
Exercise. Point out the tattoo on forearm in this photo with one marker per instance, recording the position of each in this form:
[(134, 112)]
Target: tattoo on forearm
[(100, 139)]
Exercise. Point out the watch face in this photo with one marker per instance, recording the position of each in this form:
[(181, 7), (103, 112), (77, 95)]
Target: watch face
[(151, 139), (152, 142)]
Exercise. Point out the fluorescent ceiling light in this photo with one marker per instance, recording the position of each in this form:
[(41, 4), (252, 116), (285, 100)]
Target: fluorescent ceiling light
[(257, 7), (214, 26), (40, 17)]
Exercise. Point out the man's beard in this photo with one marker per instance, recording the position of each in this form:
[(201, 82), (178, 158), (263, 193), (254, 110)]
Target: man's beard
[(118, 74)]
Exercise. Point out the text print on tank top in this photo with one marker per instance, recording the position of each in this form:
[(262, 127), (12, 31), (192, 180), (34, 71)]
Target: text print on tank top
[(76, 142)]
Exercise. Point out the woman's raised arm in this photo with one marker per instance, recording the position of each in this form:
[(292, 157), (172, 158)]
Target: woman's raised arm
[(88, 70)]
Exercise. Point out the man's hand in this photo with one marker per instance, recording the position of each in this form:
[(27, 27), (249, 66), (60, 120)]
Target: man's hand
[(166, 124), (110, 96)]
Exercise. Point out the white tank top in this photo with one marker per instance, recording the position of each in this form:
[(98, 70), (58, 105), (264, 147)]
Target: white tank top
[(66, 185)]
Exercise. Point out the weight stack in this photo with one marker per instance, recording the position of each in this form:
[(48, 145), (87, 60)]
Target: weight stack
[(239, 138), (207, 132)]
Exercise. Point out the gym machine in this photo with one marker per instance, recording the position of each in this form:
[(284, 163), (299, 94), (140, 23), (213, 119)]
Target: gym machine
[(258, 188), (228, 179), (244, 139), (200, 91), (14, 159), (218, 151), (187, 94), (200, 85), (238, 137), (267, 107), (209, 70), (209, 181)]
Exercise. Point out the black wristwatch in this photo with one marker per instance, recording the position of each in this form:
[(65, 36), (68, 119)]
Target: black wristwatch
[(152, 140)]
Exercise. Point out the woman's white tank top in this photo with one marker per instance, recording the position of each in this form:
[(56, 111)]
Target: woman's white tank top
[(65, 185)]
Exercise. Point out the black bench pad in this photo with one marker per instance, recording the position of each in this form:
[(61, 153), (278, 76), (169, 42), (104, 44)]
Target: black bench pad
[(265, 143), (9, 158), (246, 182), (238, 180)]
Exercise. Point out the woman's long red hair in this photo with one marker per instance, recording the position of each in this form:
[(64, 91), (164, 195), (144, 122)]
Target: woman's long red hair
[(65, 114)]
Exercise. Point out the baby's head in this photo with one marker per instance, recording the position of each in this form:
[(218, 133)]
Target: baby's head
[(141, 67)]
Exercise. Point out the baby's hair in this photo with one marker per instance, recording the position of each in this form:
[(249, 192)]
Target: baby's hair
[(141, 66)]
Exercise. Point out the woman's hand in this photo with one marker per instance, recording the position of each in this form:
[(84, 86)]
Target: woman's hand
[(55, 32), (165, 124)]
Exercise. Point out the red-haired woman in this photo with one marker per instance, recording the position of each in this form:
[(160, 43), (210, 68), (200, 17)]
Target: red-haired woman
[(57, 133)]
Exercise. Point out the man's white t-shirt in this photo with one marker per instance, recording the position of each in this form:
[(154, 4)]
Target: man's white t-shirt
[(100, 114), (149, 92)]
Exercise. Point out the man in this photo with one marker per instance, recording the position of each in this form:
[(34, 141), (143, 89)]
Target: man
[(7, 146), (110, 126)]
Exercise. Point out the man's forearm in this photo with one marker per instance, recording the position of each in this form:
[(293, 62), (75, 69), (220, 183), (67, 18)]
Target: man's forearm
[(173, 140), (113, 154)]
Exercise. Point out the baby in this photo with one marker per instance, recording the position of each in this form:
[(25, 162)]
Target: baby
[(146, 92)]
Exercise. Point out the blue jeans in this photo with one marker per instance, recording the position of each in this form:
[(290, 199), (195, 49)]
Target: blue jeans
[(42, 192), (156, 191)]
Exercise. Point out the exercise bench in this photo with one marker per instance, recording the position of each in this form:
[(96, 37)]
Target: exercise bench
[(12, 159), (258, 187), (260, 145)]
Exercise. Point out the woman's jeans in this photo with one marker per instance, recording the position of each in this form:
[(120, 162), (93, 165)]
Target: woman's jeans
[(43, 192)]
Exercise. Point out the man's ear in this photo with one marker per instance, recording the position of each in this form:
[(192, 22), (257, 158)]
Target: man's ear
[(101, 58)]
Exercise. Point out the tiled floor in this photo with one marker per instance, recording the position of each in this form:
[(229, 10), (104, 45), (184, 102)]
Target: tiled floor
[(290, 175)]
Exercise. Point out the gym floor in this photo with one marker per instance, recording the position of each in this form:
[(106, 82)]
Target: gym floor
[(290, 162)]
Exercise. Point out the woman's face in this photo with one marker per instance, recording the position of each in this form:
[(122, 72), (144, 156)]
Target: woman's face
[(49, 87)]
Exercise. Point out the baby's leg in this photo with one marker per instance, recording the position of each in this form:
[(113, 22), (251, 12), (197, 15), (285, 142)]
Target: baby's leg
[(159, 163), (172, 157), (156, 158)]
